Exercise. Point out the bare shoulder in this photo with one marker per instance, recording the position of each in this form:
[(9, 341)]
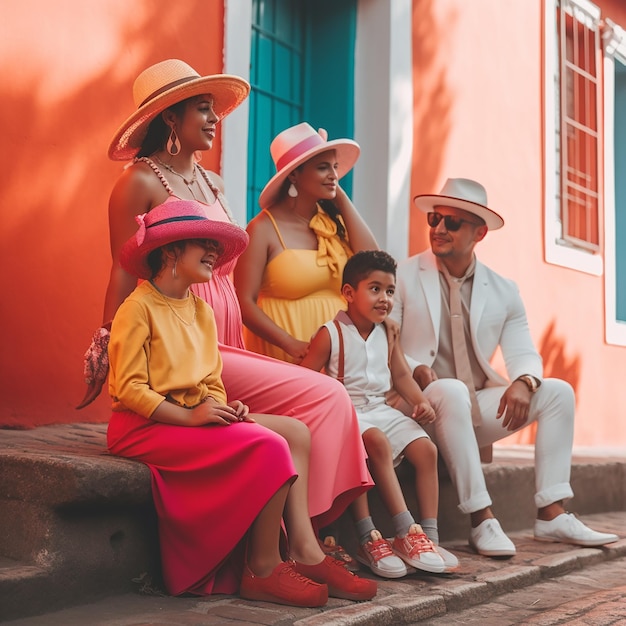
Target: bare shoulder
[(259, 226), (137, 190)]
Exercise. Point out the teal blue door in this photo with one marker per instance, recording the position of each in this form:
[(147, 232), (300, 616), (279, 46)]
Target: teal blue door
[(301, 70)]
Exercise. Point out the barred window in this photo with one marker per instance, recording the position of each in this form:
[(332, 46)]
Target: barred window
[(578, 36)]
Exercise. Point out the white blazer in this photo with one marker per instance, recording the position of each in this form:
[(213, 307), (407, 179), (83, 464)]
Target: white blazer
[(497, 318)]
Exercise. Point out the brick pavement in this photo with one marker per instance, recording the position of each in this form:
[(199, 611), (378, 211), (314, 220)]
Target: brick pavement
[(414, 599)]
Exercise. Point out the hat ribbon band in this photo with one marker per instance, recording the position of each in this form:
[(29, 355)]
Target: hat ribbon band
[(300, 148), (180, 218), (165, 88)]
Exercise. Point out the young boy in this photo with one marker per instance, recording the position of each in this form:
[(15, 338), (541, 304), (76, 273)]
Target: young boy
[(354, 349)]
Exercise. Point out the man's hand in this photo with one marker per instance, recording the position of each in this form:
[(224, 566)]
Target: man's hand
[(424, 375), (514, 405)]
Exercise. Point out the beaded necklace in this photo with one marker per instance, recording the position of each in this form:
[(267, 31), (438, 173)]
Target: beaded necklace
[(207, 179), (174, 311)]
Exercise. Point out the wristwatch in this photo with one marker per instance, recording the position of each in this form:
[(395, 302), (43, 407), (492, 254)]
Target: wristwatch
[(530, 382)]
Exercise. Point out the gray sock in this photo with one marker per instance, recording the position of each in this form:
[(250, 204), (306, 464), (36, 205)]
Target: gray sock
[(430, 528), (364, 527), (402, 522)]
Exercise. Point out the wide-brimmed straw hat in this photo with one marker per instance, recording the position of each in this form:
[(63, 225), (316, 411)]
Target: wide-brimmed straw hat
[(176, 220), (462, 193), (298, 144), (162, 85)]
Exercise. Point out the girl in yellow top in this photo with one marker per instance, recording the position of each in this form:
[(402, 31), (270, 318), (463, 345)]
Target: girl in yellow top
[(221, 477)]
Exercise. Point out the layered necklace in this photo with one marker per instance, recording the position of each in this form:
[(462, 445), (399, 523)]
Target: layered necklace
[(174, 311), (189, 182)]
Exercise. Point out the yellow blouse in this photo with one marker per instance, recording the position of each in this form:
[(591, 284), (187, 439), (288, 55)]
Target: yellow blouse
[(162, 348)]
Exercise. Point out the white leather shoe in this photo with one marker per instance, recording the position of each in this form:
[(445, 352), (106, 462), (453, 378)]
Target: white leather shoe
[(567, 528), (489, 539)]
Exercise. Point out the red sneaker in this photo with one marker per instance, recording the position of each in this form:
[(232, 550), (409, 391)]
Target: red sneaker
[(341, 582), (283, 586)]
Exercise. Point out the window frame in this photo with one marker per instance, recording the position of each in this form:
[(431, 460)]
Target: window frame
[(557, 250)]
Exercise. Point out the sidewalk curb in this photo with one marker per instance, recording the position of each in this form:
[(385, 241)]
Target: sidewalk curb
[(399, 609)]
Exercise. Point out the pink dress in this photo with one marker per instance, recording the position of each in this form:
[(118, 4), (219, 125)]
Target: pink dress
[(337, 470)]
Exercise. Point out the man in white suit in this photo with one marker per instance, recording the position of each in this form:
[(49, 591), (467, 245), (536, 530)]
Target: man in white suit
[(485, 407)]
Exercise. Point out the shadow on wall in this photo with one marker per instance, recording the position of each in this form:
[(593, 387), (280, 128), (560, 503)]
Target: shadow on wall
[(432, 107), (64, 109), (556, 364)]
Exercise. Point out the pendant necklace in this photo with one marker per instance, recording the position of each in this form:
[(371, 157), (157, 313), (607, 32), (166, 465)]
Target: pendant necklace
[(189, 183), (174, 311)]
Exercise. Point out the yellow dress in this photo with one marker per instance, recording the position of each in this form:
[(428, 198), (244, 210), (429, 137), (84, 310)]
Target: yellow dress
[(301, 289)]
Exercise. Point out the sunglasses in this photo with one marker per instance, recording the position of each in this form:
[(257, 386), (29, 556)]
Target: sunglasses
[(451, 222)]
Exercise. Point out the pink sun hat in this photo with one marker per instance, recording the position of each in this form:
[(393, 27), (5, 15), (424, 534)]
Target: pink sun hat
[(297, 144), (176, 220)]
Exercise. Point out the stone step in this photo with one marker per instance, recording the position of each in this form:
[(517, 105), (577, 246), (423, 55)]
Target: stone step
[(83, 520), (479, 582)]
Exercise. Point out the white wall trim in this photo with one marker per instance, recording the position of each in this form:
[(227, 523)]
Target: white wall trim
[(558, 252), (384, 120), (615, 330), (237, 37)]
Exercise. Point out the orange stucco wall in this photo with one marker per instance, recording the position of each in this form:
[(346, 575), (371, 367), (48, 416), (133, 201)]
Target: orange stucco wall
[(68, 69), (478, 76)]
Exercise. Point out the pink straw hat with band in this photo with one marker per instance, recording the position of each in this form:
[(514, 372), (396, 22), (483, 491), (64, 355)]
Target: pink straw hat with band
[(295, 145), (162, 85), (461, 193), (176, 220)]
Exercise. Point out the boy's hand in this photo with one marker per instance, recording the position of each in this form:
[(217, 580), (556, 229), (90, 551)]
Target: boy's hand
[(423, 413)]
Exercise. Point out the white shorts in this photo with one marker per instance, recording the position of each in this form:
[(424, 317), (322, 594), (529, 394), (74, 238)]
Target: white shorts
[(400, 429)]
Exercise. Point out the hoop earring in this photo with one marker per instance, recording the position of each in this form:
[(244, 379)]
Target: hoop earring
[(173, 143), (292, 192)]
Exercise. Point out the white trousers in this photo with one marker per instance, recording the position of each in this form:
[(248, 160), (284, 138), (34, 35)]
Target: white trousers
[(552, 407)]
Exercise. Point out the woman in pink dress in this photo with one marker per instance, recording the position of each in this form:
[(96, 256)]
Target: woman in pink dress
[(177, 113)]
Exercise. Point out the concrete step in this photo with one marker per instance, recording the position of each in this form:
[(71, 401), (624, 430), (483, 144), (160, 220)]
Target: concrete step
[(83, 520)]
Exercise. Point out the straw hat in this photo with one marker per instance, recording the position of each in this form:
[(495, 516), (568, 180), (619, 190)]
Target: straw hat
[(298, 144), (462, 193), (164, 84), (176, 220)]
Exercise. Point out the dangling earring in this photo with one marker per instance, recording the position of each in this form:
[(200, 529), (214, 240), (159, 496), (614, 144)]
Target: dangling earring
[(174, 274), (292, 192), (173, 143)]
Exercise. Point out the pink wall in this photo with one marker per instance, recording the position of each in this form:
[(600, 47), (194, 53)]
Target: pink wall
[(68, 69), (479, 114)]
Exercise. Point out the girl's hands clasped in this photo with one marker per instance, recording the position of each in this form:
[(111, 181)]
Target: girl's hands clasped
[(212, 412)]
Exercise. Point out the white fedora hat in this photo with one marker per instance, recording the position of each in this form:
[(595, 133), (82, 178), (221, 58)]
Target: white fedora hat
[(462, 193), (298, 144)]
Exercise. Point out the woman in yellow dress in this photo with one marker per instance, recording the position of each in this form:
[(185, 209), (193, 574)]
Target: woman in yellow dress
[(289, 279)]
